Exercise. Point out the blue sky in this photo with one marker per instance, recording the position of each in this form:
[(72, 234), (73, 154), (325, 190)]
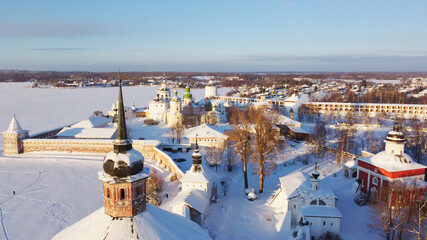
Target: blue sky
[(214, 35)]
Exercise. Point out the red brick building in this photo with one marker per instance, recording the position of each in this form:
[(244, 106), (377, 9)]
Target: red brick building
[(376, 172)]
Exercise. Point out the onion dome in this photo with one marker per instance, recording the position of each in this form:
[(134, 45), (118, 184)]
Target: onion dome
[(315, 173), (123, 160), (395, 135), (175, 96), (197, 158), (187, 93), (211, 83)]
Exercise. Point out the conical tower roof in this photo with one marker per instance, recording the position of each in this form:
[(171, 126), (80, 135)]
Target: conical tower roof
[(14, 126), (197, 158)]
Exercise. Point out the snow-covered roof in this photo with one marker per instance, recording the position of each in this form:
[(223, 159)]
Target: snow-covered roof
[(15, 127), (154, 224), (261, 103), (283, 120), (195, 198), (97, 133), (320, 211), (351, 164), (192, 176), (298, 129), (298, 183), (292, 98), (92, 122), (391, 162), (204, 131)]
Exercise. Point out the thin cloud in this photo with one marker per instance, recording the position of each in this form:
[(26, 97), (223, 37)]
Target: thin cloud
[(50, 29), (61, 49), (339, 59)]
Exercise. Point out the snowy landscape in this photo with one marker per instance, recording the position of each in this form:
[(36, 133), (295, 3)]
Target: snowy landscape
[(55, 190)]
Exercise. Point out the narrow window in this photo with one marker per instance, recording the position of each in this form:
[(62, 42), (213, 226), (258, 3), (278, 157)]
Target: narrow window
[(122, 194), (108, 193), (375, 181)]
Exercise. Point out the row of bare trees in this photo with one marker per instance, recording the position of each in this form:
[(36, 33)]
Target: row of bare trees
[(255, 138), (400, 211)]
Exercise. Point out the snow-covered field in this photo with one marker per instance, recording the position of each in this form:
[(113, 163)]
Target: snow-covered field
[(41, 109), (54, 190)]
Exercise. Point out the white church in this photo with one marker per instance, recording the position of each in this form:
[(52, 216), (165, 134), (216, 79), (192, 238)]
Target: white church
[(308, 209), (196, 191)]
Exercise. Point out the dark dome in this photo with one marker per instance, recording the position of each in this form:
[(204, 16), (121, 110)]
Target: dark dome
[(395, 135), (123, 165)]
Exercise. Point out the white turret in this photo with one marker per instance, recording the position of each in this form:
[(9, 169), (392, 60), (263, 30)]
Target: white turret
[(210, 90), (395, 141)]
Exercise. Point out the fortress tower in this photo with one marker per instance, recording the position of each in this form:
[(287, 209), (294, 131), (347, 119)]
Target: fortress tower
[(124, 181), (12, 138)]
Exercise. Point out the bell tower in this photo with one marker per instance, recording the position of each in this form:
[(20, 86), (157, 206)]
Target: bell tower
[(124, 178), (315, 179)]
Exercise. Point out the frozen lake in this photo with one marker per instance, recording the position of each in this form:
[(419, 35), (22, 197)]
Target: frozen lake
[(41, 109)]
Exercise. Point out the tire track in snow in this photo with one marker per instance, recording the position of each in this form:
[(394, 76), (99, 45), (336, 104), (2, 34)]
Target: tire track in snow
[(2, 223)]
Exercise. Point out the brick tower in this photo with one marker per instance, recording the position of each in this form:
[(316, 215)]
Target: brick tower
[(12, 138), (124, 178)]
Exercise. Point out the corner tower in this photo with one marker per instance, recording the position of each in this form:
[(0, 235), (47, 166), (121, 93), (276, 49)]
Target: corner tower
[(12, 138), (124, 178)]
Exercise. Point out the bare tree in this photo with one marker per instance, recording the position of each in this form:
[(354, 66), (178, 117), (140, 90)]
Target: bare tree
[(240, 137), (264, 141), (230, 155), (191, 116), (154, 188), (419, 143), (396, 208), (214, 156), (418, 225), (319, 136), (175, 132)]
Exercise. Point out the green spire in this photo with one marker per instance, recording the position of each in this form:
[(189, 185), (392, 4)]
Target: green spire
[(122, 143)]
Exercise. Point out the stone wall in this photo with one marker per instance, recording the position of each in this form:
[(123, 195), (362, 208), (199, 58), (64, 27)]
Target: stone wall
[(150, 149)]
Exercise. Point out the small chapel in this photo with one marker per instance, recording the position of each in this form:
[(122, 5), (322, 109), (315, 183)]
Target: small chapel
[(308, 208)]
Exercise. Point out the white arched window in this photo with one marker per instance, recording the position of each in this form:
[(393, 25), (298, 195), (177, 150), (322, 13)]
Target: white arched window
[(375, 181)]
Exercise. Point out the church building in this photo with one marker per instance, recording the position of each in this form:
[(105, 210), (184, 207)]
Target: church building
[(161, 103), (307, 206), (196, 189), (376, 172)]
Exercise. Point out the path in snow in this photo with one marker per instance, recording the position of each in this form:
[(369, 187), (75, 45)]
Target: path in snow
[(234, 217), (2, 223)]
